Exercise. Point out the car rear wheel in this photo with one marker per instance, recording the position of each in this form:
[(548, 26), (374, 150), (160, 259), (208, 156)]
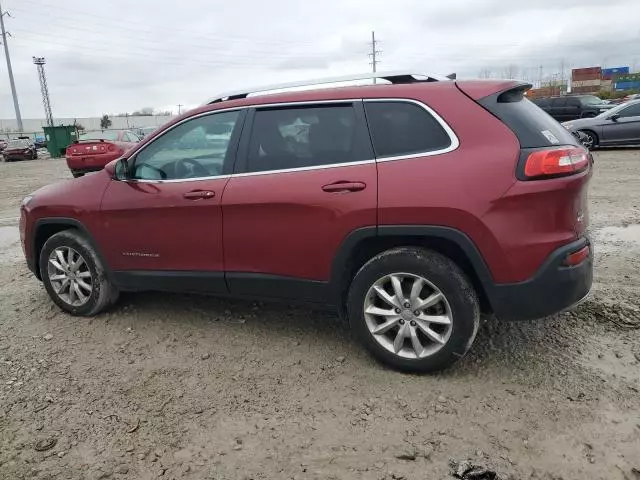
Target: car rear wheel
[(77, 174), (590, 139), (74, 276), (413, 309)]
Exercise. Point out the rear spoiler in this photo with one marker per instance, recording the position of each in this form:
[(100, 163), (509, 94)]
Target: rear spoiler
[(88, 141), (479, 89)]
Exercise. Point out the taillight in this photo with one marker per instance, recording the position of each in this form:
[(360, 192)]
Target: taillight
[(111, 147), (556, 162), (578, 257)]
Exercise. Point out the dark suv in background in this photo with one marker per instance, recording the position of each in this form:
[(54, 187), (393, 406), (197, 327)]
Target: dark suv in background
[(572, 107), (408, 207)]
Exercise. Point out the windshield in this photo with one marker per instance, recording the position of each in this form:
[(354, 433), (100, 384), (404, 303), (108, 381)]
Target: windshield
[(614, 110), (100, 135), (18, 144)]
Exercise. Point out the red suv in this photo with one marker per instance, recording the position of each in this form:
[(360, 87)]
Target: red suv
[(409, 206)]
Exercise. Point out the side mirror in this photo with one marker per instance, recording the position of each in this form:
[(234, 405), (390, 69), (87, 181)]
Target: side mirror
[(118, 169), (614, 117)]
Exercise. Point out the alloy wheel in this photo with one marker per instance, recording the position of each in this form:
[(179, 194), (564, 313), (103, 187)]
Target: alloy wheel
[(70, 276), (588, 141), (408, 315)]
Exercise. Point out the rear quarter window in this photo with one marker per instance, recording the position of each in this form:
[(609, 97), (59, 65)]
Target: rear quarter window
[(533, 126), (404, 128)]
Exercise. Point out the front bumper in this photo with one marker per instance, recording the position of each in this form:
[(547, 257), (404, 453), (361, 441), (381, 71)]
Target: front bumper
[(553, 289)]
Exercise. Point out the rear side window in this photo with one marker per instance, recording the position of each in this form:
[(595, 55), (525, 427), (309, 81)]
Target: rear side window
[(532, 125), (402, 128), (559, 102), (542, 102), (299, 137)]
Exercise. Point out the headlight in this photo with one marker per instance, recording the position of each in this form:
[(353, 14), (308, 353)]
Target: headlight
[(568, 126), (26, 200)]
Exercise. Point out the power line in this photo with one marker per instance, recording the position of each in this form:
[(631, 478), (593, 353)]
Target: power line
[(374, 54), (8, 58)]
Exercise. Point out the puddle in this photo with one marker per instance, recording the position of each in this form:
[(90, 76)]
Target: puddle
[(8, 236)]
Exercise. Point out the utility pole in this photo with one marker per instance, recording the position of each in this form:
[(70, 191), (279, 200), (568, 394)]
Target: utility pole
[(180, 108), (11, 82), (39, 62), (374, 54), (562, 84)]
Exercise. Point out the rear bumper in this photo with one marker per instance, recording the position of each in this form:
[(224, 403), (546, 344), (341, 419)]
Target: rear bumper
[(553, 289)]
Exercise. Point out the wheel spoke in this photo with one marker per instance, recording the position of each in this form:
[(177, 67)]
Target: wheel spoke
[(61, 259), (430, 301), (400, 336), (84, 285), (72, 293), (415, 341), (81, 296), (77, 264), (86, 274), (64, 284), (57, 278), (397, 288), (416, 288), (57, 265), (439, 319), (424, 328), (382, 293), (386, 326), (373, 310)]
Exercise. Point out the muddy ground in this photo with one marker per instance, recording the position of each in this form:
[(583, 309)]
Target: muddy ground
[(177, 386)]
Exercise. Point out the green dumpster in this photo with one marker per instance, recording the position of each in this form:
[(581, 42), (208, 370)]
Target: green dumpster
[(59, 138)]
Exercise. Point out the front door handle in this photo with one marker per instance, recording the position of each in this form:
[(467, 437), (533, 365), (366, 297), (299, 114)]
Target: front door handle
[(199, 195), (343, 187)]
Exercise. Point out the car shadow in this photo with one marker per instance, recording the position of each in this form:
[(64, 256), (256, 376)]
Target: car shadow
[(499, 345)]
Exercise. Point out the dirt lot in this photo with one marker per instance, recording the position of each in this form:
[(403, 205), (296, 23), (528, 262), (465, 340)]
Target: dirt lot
[(177, 386)]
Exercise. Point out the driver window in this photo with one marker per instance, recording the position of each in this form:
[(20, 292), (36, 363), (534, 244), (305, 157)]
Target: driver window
[(630, 111), (194, 149)]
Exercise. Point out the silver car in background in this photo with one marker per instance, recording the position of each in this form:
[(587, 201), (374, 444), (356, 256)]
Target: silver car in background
[(618, 126)]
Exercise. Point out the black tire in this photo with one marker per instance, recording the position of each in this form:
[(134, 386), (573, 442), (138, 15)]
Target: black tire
[(103, 294), (35, 156), (77, 174), (441, 272), (591, 141)]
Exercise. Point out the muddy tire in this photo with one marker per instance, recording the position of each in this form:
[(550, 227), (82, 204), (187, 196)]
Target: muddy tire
[(413, 309), (74, 276)]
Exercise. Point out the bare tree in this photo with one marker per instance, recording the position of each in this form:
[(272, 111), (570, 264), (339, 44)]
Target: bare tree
[(485, 73), (511, 71)]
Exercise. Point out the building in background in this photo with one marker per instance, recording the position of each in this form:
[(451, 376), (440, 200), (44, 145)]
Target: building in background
[(586, 80)]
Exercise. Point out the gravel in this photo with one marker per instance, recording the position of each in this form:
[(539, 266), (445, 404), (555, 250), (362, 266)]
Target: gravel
[(197, 387)]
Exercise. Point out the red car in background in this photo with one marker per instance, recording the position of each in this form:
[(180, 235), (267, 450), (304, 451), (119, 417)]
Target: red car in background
[(95, 149)]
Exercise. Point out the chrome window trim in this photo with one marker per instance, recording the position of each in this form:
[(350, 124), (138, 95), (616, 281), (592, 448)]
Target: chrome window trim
[(455, 142)]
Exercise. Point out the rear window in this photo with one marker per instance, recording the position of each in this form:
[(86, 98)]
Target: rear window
[(532, 125), (111, 135), (402, 128), (18, 144)]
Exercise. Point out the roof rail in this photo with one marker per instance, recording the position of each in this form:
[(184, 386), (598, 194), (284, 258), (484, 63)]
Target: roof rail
[(393, 77)]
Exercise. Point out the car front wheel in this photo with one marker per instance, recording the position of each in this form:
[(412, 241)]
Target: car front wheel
[(74, 276), (413, 309), (590, 140)]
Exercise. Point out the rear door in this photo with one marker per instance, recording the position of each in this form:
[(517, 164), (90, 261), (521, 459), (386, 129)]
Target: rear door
[(559, 109), (306, 179), (626, 128), (572, 109)]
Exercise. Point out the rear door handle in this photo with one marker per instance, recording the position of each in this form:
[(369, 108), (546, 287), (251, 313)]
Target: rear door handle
[(199, 195), (343, 187)]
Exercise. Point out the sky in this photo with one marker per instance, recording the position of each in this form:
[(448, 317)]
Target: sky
[(119, 56)]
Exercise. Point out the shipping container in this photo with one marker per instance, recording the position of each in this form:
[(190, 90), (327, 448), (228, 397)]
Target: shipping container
[(586, 83), (622, 86), (629, 77), (586, 71), (608, 73), (586, 90)]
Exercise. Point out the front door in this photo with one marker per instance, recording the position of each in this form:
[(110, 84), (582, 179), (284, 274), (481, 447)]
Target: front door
[(163, 224), (626, 128), (306, 180)]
